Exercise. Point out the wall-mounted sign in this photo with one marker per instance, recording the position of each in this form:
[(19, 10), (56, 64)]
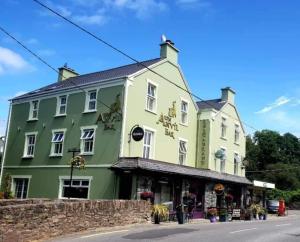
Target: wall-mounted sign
[(167, 121), (137, 134), (114, 115)]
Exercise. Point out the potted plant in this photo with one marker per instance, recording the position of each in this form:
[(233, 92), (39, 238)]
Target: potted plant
[(262, 213), (212, 214), (159, 212), (223, 215)]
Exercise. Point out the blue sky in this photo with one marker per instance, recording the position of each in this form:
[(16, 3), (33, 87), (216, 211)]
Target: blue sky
[(250, 45)]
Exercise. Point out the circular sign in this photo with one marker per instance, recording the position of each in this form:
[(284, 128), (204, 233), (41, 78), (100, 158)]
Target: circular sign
[(137, 134)]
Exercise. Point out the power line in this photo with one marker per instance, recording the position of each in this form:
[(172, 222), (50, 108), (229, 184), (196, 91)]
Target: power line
[(47, 64), (133, 59), (275, 170)]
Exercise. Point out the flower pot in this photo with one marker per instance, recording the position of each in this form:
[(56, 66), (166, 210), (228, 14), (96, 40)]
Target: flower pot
[(180, 217), (213, 219), (156, 219), (261, 217), (265, 216)]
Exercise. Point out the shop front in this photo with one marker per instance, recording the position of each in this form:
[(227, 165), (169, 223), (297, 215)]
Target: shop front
[(165, 183)]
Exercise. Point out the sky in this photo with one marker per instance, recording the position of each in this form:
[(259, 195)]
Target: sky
[(250, 45)]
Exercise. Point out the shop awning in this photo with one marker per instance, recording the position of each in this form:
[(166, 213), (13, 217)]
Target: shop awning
[(136, 163)]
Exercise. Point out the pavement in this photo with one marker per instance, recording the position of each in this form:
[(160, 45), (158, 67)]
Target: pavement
[(275, 229)]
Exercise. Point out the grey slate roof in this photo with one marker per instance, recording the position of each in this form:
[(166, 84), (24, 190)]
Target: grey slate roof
[(214, 103), (115, 73), (164, 167)]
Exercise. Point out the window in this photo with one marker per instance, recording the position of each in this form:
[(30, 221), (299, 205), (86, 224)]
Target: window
[(57, 143), (30, 140), (236, 134), (223, 161), (148, 144), (87, 140), (61, 105), (20, 187), (78, 189), (182, 152), (34, 107), (184, 112), (223, 128), (151, 97), (236, 163), (91, 101)]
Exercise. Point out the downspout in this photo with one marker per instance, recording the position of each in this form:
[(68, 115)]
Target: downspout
[(6, 141)]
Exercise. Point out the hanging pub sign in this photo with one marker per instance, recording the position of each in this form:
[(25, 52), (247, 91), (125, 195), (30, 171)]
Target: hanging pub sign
[(137, 134), (167, 121), (219, 188)]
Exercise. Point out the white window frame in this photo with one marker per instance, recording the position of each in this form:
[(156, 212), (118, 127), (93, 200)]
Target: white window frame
[(31, 110), (82, 142), (53, 143), (186, 153), (224, 125), (149, 82), (59, 105), (236, 164), (61, 183), (223, 161), (152, 145), (88, 100), (184, 112), (13, 183), (25, 155), (237, 130)]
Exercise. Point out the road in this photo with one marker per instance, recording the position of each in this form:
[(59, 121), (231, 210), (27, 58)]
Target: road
[(281, 229)]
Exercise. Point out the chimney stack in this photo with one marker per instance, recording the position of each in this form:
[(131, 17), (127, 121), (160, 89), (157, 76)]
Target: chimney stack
[(168, 50), (65, 72), (228, 95)]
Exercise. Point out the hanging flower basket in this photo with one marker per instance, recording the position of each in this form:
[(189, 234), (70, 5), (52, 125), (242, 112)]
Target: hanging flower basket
[(146, 195)]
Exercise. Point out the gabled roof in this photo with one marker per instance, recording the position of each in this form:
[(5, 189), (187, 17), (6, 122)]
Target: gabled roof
[(101, 76), (217, 104)]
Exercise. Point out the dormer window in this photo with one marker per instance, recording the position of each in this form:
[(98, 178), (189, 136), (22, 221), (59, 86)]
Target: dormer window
[(223, 128), (91, 101), (237, 134), (151, 97), (184, 112), (33, 112)]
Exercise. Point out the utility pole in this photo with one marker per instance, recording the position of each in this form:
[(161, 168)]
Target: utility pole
[(73, 151)]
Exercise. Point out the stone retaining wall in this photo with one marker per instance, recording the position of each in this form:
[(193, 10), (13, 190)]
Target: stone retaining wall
[(40, 219)]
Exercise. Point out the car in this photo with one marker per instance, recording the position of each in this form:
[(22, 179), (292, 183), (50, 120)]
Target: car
[(272, 206)]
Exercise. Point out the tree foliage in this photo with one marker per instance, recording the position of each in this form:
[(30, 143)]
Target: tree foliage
[(275, 158)]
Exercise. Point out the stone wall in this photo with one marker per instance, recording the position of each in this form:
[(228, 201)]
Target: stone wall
[(40, 219)]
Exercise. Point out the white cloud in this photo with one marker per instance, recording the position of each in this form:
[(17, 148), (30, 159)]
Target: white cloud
[(187, 4), (11, 62), (2, 127), (278, 102), (96, 19), (46, 52)]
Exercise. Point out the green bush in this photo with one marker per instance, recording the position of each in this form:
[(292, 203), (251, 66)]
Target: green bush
[(288, 196)]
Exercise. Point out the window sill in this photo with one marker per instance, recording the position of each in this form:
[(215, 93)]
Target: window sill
[(60, 115), (27, 157), (237, 143), (87, 154), (55, 156), (32, 120), (153, 112), (223, 138), (90, 111), (184, 124)]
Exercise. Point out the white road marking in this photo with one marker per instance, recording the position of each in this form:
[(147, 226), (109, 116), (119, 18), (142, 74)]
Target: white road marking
[(279, 225), (238, 231), (111, 232)]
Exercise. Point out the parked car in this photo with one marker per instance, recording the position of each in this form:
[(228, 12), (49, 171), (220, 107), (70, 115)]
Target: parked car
[(272, 206)]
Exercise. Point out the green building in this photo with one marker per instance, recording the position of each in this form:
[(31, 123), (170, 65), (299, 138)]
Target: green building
[(179, 155)]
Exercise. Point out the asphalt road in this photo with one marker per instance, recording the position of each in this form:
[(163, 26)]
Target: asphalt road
[(281, 229)]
